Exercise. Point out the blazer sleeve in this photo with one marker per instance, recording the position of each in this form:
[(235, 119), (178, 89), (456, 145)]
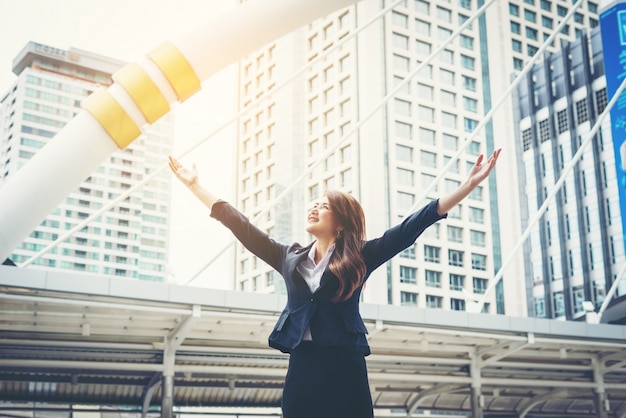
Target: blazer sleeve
[(395, 239), (255, 240)]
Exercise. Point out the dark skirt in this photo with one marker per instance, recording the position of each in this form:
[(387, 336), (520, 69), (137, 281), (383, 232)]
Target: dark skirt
[(326, 382)]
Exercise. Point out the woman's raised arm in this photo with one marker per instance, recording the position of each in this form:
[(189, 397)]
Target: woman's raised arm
[(189, 177)]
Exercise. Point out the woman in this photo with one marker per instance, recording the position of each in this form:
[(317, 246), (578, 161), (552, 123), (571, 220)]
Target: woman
[(321, 326)]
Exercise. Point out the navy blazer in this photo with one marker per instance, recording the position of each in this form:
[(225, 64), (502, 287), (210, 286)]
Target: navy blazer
[(331, 323)]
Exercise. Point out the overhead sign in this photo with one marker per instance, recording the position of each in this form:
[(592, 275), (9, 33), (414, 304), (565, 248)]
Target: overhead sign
[(613, 29)]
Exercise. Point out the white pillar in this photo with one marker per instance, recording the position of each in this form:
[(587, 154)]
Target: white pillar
[(140, 95)]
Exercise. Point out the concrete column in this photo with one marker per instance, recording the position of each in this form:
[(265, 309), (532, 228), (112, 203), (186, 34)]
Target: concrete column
[(477, 402), (601, 404), (167, 399)]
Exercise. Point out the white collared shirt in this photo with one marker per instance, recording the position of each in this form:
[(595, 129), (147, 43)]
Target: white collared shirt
[(312, 274)]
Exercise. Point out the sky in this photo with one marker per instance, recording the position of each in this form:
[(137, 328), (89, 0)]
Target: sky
[(127, 30)]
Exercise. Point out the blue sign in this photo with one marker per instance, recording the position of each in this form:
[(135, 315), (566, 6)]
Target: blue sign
[(613, 29)]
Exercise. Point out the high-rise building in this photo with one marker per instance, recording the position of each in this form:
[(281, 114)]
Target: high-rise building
[(130, 240), (577, 249), (404, 145)]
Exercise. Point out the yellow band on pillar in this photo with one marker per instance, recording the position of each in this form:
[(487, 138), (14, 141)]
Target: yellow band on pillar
[(143, 91), (112, 116), (176, 69)]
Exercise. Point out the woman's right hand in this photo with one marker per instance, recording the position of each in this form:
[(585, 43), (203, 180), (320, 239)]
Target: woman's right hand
[(188, 176)]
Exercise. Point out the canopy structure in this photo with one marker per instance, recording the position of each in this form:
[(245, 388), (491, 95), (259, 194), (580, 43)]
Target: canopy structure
[(70, 339)]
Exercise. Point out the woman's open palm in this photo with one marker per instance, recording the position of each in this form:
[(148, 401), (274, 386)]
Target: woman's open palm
[(480, 171), (187, 176)]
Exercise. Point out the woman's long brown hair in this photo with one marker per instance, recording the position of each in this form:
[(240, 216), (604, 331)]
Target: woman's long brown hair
[(347, 262)]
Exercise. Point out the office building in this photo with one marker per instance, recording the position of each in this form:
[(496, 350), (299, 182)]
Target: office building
[(131, 239), (576, 251), (403, 146)]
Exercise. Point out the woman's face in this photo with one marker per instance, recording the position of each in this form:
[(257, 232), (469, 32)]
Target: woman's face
[(320, 221)]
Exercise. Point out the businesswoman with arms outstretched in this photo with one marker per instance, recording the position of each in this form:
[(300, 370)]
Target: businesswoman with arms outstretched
[(321, 327)]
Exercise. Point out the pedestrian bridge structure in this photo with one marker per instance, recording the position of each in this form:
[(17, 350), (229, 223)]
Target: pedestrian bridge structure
[(71, 340)]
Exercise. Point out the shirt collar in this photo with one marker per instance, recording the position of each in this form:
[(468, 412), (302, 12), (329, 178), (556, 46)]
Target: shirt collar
[(311, 255)]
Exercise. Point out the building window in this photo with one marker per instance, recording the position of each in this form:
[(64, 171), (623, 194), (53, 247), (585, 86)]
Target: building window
[(579, 297), (408, 252), (466, 4), (477, 238), (455, 234), (516, 45), (601, 100), (516, 28), (450, 142), (546, 22), (470, 124), (530, 16), (408, 299), (405, 177), (540, 307), (400, 41), (561, 10), (544, 130), (469, 83), (427, 136), (432, 278), (433, 301), (467, 62), (403, 130), (545, 5), (471, 105), (408, 275), (518, 64), (527, 139), (428, 159), (513, 9), (422, 48), (446, 77), (444, 14), (404, 153), (402, 107), (422, 27), (448, 120), (424, 91), (431, 254), (400, 19), (477, 215), (457, 304), (400, 63), (479, 262), (456, 281), (448, 98), (561, 121), (422, 6), (466, 42), (425, 114), (531, 34), (559, 304), (479, 285), (455, 258), (582, 115), (443, 34)]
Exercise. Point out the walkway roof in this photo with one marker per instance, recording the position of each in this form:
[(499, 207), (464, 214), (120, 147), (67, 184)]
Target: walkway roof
[(68, 338)]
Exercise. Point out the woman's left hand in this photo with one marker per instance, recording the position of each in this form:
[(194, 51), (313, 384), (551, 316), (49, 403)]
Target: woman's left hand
[(480, 171)]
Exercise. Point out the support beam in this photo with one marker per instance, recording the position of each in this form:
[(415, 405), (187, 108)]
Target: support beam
[(525, 407), (148, 392), (432, 391), (172, 342), (601, 402)]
